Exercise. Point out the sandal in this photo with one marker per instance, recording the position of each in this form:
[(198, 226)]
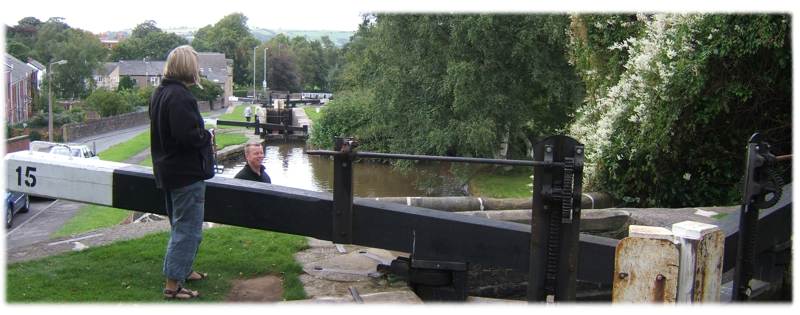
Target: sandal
[(180, 294), (202, 276)]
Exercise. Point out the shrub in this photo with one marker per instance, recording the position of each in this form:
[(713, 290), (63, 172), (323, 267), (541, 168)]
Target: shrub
[(671, 129), (108, 103)]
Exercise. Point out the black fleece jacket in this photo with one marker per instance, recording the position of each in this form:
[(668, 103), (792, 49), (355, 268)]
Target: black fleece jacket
[(179, 144)]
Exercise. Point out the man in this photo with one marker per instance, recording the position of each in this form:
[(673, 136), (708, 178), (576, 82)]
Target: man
[(254, 170)]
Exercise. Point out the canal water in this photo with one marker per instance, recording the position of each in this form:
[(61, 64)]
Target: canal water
[(287, 165)]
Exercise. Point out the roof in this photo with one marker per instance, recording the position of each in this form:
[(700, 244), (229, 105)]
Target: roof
[(140, 68), (107, 68), (19, 69), (36, 64), (213, 66)]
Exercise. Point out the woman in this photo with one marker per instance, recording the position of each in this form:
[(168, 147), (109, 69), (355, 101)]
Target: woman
[(182, 159)]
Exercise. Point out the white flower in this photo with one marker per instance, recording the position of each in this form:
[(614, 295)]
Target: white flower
[(687, 176)]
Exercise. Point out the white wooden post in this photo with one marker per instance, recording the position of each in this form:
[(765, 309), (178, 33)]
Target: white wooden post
[(702, 249)]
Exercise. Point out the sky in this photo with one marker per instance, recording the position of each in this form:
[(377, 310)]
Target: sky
[(339, 15)]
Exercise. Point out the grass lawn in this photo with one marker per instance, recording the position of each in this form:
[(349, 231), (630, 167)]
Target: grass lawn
[(228, 139), (312, 114), (125, 150), (236, 115), (92, 217), (511, 184), (130, 271)]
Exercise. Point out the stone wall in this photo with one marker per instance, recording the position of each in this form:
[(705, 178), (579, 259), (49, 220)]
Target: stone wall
[(72, 132)]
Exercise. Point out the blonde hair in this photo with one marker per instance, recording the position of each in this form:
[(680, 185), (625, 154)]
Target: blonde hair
[(182, 65)]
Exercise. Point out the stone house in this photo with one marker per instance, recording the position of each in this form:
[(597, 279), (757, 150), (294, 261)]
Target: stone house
[(213, 66)]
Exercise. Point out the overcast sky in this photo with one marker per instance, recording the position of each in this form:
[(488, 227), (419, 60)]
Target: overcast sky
[(97, 16)]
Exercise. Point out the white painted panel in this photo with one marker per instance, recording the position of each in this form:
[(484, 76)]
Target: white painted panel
[(58, 176)]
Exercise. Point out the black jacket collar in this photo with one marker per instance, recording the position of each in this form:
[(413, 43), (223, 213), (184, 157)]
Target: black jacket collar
[(167, 81)]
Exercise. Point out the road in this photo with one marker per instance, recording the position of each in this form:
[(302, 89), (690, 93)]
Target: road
[(45, 217)]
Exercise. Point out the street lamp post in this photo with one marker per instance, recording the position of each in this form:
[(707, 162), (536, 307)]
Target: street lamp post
[(50, 97), (265, 73), (254, 74)]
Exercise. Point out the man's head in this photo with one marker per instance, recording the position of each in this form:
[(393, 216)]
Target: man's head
[(254, 154)]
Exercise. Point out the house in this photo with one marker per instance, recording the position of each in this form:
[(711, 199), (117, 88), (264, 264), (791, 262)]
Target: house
[(21, 82), (219, 70), (107, 77), (41, 69), (213, 66), (144, 72)]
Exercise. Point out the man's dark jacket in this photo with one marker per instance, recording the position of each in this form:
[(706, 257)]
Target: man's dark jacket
[(179, 144), (248, 174)]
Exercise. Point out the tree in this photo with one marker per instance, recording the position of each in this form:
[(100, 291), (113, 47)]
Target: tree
[(21, 38), (459, 84), (84, 54), (283, 74), (230, 36), (126, 83), (108, 103), (147, 41), (18, 49), (210, 92), (144, 29)]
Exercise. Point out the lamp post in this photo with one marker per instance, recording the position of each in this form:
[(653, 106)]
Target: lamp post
[(265, 72), (50, 98), (254, 74)]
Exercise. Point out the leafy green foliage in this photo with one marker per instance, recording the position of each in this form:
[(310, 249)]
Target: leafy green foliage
[(231, 36), (126, 83), (453, 84), (54, 40), (147, 41), (108, 103), (346, 116), (210, 92), (670, 126)]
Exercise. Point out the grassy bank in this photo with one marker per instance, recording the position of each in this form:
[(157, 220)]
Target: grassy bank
[(130, 271), (92, 217), (236, 115), (311, 113), (502, 184), (125, 150)]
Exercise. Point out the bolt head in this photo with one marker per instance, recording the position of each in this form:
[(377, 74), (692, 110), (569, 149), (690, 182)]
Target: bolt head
[(623, 275), (660, 277), (548, 149), (579, 151)]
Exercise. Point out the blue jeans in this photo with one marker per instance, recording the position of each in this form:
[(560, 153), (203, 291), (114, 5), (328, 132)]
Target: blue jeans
[(185, 211)]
